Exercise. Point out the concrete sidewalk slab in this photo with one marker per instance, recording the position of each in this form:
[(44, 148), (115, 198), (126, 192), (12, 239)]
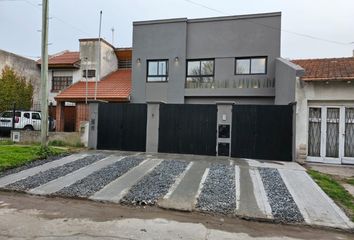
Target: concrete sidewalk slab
[(274, 164), (316, 207), (184, 195), (67, 180), (116, 190), (33, 171)]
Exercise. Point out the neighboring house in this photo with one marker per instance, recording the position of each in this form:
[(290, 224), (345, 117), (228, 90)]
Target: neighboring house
[(234, 58), (67, 72), (115, 87), (325, 110), (24, 67)]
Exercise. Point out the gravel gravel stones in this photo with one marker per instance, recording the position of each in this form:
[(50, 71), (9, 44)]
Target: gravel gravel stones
[(54, 173), (156, 184), (219, 192), (283, 206), (99, 179)]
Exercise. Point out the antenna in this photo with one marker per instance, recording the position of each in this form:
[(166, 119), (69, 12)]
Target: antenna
[(112, 29)]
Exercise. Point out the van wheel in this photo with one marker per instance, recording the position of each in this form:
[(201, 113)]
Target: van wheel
[(28, 128)]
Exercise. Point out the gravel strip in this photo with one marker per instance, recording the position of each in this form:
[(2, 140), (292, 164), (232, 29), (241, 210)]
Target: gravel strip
[(218, 193), (32, 164), (156, 184), (99, 179), (54, 173), (283, 206)]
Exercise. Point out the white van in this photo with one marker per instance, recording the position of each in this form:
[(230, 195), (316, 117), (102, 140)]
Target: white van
[(27, 120)]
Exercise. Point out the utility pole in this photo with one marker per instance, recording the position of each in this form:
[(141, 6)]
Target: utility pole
[(44, 74), (86, 73), (99, 57)]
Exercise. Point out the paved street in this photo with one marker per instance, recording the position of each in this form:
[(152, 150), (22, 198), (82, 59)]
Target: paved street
[(273, 191)]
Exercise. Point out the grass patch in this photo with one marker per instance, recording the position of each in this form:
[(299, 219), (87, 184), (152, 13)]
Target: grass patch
[(334, 190), (350, 181), (6, 142), (12, 156)]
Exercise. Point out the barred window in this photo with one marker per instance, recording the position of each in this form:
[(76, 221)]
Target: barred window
[(61, 82)]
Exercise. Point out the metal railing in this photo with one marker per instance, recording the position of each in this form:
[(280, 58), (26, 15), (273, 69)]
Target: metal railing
[(232, 83)]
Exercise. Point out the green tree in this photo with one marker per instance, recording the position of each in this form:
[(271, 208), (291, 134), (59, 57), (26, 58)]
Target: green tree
[(14, 88)]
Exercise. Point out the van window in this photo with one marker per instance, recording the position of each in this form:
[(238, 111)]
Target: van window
[(36, 116), (26, 115)]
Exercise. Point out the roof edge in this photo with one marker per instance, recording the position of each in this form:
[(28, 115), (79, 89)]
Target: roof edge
[(171, 20), (321, 59), (209, 19), (236, 17), (314, 79), (96, 39)]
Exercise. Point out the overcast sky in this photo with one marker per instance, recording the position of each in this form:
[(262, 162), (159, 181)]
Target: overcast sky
[(20, 22)]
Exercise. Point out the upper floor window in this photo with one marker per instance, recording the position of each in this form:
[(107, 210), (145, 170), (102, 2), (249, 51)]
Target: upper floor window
[(61, 82), (250, 65), (200, 70), (90, 73), (157, 70)]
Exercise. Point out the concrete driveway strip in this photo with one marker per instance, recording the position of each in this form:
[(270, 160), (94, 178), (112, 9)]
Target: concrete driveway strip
[(184, 196), (67, 180), (116, 190), (253, 198), (316, 207), (32, 171)]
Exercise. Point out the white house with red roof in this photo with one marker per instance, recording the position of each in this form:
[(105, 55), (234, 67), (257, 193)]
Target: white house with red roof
[(73, 75), (325, 111)]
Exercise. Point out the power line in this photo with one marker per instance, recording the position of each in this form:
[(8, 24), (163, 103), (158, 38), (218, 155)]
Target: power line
[(54, 17), (59, 19), (271, 27)]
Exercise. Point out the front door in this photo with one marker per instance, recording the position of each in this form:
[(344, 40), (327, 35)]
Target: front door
[(331, 135)]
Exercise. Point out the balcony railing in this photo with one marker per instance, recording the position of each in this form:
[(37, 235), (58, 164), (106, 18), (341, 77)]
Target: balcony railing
[(232, 83)]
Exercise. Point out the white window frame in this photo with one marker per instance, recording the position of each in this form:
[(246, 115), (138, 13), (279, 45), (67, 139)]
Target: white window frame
[(322, 158)]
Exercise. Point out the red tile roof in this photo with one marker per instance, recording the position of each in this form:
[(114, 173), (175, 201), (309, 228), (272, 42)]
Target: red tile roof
[(114, 87), (327, 69), (64, 59)]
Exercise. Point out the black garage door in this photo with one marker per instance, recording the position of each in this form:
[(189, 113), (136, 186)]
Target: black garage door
[(188, 129), (122, 126), (262, 132)]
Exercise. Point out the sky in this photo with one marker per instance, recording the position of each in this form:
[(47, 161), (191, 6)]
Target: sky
[(310, 28)]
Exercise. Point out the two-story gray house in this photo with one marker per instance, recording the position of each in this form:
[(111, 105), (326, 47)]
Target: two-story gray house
[(233, 58)]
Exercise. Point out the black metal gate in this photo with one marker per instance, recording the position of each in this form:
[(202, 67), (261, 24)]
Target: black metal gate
[(262, 132), (122, 126), (188, 129)]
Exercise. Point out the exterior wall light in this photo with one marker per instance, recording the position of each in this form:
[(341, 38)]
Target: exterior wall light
[(138, 60), (176, 59)]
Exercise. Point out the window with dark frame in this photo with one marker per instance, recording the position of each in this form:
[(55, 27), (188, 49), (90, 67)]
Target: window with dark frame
[(250, 65), (201, 70), (157, 70), (90, 73), (61, 82)]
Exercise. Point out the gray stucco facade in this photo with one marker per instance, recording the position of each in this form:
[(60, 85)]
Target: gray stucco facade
[(221, 39)]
